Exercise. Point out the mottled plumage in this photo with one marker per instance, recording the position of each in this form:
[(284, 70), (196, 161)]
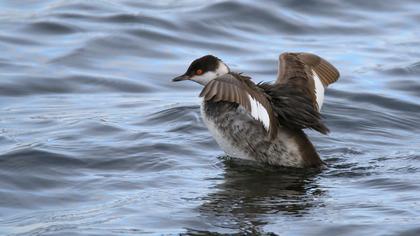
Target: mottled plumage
[(264, 122), (239, 89)]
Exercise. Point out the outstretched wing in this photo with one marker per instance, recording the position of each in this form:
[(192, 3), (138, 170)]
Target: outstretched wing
[(293, 107), (307, 72), (239, 89)]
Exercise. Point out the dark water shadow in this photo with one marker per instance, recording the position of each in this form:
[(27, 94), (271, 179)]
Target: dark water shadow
[(250, 196)]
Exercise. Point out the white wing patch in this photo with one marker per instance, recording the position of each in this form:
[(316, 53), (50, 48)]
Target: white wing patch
[(319, 89), (259, 112)]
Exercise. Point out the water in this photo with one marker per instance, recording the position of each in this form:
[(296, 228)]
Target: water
[(96, 140)]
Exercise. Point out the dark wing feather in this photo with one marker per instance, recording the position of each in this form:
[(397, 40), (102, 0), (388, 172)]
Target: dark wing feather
[(226, 88), (300, 70), (236, 88), (293, 107), (293, 65), (327, 72)]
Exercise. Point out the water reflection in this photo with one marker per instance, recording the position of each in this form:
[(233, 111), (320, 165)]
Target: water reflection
[(250, 196)]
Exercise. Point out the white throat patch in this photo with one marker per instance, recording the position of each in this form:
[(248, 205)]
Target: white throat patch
[(203, 79)]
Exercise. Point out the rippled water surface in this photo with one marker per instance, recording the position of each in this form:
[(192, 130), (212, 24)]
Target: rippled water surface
[(96, 140)]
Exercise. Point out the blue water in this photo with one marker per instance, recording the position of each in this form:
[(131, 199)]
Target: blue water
[(95, 139)]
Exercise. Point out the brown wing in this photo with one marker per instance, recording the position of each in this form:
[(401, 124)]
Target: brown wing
[(326, 72), (303, 71), (295, 65), (293, 108), (240, 90)]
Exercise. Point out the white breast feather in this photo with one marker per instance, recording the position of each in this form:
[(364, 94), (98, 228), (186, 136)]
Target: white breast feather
[(259, 112), (319, 89)]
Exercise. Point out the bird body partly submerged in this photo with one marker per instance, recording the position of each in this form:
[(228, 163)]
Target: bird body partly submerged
[(264, 122), (240, 135)]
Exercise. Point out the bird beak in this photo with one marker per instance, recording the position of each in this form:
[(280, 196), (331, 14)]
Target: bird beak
[(180, 78)]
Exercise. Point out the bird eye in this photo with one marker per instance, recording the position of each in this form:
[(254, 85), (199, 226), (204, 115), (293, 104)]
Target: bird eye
[(199, 72)]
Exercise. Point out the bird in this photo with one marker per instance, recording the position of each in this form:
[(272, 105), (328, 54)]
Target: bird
[(264, 122)]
